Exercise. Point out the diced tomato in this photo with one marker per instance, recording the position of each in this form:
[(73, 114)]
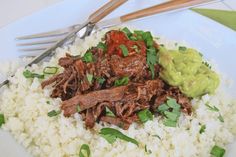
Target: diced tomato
[(116, 38)]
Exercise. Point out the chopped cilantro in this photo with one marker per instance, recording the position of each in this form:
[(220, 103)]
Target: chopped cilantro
[(202, 129), (152, 60), (124, 49), (100, 80), (53, 113), (127, 31), (102, 46), (217, 151), (2, 120), (122, 81), (111, 135), (88, 57), (145, 115)]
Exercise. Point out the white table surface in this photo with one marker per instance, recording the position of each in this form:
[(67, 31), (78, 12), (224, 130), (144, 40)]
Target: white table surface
[(12, 10)]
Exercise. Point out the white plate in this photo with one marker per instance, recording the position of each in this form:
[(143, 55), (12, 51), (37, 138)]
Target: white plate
[(212, 39)]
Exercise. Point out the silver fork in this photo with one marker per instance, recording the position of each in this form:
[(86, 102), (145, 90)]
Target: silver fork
[(33, 44), (168, 6)]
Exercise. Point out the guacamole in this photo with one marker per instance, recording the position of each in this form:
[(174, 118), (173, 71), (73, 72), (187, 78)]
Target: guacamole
[(186, 70)]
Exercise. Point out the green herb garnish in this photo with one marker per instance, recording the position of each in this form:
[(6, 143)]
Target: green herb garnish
[(147, 37), (202, 129), (48, 102), (50, 70), (122, 81), (207, 64), (124, 49), (109, 112), (182, 48), (29, 74), (157, 136), (217, 151), (89, 78), (84, 151), (127, 31), (53, 113), (100, 80), (171, 111), (221, 118), (88, 57), (2, 120), (152, 60), (102, 46), (145, 115), (78, 108), (169, 123), (215, 109), (111, 135), (147, 150)]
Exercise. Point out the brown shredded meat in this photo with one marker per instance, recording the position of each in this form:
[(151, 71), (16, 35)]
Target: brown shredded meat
[(92, 98)]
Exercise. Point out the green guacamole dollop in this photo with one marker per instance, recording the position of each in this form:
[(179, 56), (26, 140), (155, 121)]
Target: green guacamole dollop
[(186, 70)]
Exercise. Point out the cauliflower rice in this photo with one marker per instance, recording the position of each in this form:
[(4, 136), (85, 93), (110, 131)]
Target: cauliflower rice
[(25, 106)]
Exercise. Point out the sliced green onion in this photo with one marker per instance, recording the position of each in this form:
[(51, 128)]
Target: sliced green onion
[(217, 151), (157, 136), (53, 113), (124, 49), (221, 118), (215, 109), (145, 115), (109, 112), (202, 129), (29, 74), (84, 151), (88, 57), (78, 108), (111, 135), (122, 81), (89, 78), (50, 70), (147, 150), (2, 120)]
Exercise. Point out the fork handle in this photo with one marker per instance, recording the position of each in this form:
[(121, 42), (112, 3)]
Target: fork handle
[(167, 6), (105, 10)]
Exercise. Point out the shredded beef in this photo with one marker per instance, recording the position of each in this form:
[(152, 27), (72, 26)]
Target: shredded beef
[(92, 98)]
